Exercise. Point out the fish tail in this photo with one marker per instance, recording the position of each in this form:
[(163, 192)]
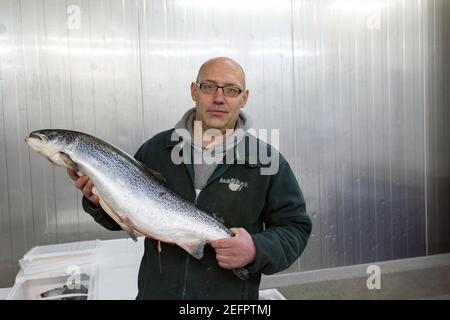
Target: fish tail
[(242, 273)]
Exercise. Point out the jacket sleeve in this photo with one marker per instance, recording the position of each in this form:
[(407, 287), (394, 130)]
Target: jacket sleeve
[(99, 215), (287, 225)]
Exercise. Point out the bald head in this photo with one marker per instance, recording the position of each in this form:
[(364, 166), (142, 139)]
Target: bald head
[(230, 63)]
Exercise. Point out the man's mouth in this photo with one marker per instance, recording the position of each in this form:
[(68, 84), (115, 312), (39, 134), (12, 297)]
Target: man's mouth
[(217, 112)]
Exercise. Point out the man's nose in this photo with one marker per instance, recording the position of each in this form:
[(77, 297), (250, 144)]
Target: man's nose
[(219, 96)]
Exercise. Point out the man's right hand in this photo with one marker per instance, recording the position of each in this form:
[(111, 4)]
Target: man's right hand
[(85, 184)]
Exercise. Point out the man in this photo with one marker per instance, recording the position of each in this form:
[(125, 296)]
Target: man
[(266, 213)]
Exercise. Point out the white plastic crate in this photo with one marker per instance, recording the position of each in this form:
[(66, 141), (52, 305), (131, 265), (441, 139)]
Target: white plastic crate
[(43, 259), (32, 288), (4, 293), (47, 267)]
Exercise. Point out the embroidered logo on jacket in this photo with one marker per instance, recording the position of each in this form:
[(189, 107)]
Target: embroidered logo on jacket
[(234, 184)]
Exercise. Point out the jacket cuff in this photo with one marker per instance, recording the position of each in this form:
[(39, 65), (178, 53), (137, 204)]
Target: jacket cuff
[(256, 265), (100, 216), (89, 207), (96, 212)]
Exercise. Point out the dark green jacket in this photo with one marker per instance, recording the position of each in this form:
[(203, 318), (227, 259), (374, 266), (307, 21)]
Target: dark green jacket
[(270, 207)]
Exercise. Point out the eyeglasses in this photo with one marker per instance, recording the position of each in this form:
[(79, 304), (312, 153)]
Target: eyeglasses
[(211, 88)]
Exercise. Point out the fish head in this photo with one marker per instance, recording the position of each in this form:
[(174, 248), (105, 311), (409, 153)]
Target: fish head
[(51, 143)]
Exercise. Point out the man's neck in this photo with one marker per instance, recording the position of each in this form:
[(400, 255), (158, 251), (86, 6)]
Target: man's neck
[(209, 140)]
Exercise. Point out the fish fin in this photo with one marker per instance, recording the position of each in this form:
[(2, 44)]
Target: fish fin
[(68, 161), (242, 273), (218, 218), (159, 246), (158, 176), (159, 256), (135, 228), (194, 248), (140, 232), (117, 217)]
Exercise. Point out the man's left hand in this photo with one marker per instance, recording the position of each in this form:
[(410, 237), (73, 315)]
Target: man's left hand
[(235, 252)]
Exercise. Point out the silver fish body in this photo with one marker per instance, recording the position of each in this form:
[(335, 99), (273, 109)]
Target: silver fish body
[(133, 195)]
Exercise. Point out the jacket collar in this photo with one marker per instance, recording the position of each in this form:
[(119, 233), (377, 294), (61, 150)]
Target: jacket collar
[(170, 143)]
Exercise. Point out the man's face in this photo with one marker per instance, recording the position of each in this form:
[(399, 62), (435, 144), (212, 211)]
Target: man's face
[(217, 110)]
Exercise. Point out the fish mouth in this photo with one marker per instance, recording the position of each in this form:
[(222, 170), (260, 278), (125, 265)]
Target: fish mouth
[(36, 140), (37, 136)]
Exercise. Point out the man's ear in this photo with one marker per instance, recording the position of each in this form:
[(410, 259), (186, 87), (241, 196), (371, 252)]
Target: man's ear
[(245, 97), (193, 91)]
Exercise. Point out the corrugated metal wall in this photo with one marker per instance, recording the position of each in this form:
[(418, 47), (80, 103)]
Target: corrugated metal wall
[(437, 117), (358, 89)]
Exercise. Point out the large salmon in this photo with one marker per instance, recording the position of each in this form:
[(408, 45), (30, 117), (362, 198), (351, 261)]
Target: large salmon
[(132, 194)]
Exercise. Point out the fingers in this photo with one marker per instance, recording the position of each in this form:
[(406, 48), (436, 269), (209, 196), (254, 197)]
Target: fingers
[(72, 174), (81, 182), (94, 199), (225, 261), (85, 184), (221, 243), (228, 242), (224, 252), (87, 192), (235, 252), (227, 252), (224, 265), (228, 262), (87, 189)]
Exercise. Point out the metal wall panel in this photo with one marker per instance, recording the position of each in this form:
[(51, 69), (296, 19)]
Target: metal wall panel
[(358, 90), (17, 191), (437, 117), (360, 108), (86, 79)]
